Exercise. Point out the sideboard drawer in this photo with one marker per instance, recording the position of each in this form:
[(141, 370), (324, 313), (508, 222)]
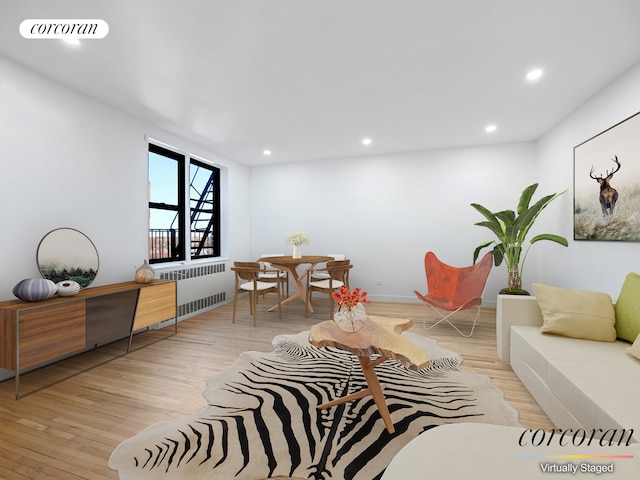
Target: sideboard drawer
[(48, 333), (109, 317), (155, 304)]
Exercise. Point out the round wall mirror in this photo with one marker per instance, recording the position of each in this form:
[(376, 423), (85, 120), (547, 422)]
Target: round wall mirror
[(67, 254)]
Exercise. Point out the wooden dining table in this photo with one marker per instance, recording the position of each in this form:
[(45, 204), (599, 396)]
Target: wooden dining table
[(291, 264)]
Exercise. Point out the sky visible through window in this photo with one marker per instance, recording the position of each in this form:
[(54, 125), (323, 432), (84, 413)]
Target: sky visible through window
[(163, 188), (199, 178)]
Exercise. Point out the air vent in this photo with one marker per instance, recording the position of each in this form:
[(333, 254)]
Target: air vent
[(193, 272), (200, 304)]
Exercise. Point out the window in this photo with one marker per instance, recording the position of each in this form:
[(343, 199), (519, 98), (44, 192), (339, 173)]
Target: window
[(171, 212), (204, 189)]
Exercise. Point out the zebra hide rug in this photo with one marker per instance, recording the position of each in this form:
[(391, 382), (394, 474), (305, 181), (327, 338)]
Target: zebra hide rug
[(262, 420)]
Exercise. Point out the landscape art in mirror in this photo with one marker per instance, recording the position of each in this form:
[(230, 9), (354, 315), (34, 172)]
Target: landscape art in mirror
[(68, 254), (606, 172)]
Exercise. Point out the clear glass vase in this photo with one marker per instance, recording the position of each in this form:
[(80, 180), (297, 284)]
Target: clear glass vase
[(350, 319)]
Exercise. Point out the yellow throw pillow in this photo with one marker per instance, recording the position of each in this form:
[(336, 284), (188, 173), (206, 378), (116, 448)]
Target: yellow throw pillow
[(635, 348), (627, 308), (576, 313)]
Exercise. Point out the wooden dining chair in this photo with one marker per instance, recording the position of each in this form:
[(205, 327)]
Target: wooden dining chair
[(338, 271), (319, 273), (271, 274), (248, 280)]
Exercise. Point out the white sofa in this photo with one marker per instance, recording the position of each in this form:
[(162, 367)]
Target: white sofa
[(580, 384)]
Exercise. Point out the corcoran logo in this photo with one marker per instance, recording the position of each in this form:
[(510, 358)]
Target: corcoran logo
[(573, 463), (576, 438), (66, 29)]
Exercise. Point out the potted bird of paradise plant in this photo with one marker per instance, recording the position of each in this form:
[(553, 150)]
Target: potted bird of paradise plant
[(511, 229)]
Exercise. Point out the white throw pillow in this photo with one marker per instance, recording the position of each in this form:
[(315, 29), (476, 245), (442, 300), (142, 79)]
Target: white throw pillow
[(576, 313)]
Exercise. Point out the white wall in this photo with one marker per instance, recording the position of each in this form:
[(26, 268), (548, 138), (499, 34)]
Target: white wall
[(386, 211), (69, 161), (588, 265)]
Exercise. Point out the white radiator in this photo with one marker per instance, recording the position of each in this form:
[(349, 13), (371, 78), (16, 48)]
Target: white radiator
[(200, 287)]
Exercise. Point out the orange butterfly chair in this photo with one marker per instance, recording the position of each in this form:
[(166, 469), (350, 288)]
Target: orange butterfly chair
[(452, 289)]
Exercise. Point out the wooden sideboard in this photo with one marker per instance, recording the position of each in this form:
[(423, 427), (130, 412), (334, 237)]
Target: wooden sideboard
[(37, 333)]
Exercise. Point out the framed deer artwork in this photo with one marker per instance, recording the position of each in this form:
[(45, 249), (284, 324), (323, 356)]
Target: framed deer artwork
[(606, 178)]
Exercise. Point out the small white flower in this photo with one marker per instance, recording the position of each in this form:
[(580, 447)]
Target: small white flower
[(297, 238)]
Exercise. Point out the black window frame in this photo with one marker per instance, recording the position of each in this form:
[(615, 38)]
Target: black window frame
[(176, 251), (176, 244), (215, 223)]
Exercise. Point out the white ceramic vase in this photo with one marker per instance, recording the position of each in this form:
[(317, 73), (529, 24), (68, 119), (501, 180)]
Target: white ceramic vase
[(67, 288), (297, 251)]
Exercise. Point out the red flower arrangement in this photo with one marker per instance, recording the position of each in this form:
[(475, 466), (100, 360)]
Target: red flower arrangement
[(349, 299)]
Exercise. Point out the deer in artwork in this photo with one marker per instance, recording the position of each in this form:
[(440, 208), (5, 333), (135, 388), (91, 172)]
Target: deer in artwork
[(608, 194)]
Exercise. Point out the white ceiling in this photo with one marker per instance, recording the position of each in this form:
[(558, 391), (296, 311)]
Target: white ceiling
[(308, 79)]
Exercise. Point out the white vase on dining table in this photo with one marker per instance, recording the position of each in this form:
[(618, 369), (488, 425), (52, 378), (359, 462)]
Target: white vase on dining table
[(297, 251)]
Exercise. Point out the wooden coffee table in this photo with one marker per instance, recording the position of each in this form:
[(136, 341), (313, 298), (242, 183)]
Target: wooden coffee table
[(381, 337)]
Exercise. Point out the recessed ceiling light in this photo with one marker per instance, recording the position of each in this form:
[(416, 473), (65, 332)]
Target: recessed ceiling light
[(366, 141), (534, 75), (267, 152), (490, 128)]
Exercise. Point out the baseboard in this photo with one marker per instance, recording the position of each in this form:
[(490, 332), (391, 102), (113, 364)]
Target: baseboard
[(413, 299)]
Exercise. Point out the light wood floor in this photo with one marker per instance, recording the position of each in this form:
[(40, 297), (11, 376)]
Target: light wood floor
[(68, 430)]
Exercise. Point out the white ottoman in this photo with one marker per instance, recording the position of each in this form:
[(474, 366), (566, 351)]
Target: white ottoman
[(473, 451)]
